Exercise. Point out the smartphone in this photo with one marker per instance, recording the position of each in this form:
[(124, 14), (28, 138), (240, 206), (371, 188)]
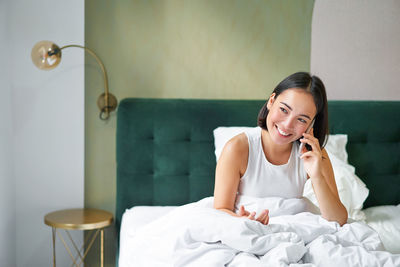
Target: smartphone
[(308, 147)]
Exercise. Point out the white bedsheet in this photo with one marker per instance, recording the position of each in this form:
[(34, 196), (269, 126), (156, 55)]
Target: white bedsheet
[(386, 221), (198, 235)]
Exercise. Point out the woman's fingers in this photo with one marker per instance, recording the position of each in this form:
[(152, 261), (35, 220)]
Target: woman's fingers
[(252, 215), (311, 140), (264, 217), (316, 150), (243, 212)]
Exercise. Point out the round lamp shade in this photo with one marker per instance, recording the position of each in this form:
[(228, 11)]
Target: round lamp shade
[(46, 55)]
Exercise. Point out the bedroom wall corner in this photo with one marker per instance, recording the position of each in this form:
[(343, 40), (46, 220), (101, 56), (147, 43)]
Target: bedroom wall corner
[(7, 182)]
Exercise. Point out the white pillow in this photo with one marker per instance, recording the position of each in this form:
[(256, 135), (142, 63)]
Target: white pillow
[(352, 191), (336, 145)]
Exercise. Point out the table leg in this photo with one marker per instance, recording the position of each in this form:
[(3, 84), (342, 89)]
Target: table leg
[(102, 248), (53, 230)]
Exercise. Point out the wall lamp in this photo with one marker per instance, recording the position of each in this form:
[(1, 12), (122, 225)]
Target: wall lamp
[(46, 55)]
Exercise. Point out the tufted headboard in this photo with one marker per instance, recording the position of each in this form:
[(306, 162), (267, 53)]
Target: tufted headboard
[(165, 147)]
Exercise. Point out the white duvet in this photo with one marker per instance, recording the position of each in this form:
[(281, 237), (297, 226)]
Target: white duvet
[(198, 235)]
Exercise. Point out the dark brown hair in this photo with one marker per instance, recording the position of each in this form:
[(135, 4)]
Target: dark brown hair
[(313, 85)]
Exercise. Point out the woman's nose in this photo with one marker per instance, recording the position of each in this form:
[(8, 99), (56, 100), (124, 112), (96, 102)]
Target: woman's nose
[(289, 123)]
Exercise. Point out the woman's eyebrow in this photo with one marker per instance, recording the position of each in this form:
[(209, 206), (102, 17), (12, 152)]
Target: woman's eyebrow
[(289, 107)]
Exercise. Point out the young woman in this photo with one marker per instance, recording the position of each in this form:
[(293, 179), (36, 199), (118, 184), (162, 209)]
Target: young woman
[(267, 161)]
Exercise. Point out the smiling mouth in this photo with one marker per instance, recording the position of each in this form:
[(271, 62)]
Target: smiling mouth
[(282, 132)]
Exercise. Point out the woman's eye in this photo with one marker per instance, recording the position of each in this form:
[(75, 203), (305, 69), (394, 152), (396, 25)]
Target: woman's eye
[(302, 121), (283, 110)]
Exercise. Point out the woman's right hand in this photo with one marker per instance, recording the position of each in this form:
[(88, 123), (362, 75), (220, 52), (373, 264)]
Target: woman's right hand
[(262, 218)]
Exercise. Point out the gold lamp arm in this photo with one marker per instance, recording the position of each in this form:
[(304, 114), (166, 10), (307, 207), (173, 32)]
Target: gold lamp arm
[(105, 103), (46, 55)]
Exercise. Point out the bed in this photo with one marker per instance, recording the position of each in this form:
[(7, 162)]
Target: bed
[(166, 158)]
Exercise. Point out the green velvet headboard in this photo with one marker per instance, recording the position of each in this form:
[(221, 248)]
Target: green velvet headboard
[(165, 147)]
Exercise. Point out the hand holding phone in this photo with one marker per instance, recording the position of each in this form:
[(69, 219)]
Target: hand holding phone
[(308, 147)]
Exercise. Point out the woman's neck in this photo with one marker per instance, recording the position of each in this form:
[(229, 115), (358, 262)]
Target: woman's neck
[(276, 154)]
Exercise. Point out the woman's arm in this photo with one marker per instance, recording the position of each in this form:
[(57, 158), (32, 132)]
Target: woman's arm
[(319, 168), (231, 166), (327, 194), (228, 172)]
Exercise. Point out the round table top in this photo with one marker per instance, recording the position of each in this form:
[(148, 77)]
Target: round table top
[(79, 219)]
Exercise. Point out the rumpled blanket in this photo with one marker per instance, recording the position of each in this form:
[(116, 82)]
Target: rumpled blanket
[(196, 234)]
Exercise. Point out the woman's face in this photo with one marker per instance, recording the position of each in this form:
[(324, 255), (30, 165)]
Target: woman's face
[(289, 115)]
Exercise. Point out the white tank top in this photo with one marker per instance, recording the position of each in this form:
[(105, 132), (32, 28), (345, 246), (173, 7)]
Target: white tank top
[(263, 179)]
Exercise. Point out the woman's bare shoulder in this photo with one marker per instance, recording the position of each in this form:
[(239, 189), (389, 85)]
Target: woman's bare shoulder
[(237, 148), (237, 144), (235, 153)]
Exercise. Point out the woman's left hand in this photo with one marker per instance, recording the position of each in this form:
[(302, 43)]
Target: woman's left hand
[(312, 159)]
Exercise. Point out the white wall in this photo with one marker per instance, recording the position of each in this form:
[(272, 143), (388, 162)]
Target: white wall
[(48, 117), (355, 48), (7, 184)]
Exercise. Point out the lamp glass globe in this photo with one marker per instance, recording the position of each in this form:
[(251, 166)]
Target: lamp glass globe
[(46, 55)]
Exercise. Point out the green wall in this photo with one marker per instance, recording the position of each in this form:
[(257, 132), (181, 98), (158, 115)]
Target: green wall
[(183, 49)]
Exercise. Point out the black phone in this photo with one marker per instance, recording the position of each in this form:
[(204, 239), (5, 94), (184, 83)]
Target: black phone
[(308, 147)]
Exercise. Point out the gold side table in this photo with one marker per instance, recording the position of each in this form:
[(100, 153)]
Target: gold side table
[(79, 219)]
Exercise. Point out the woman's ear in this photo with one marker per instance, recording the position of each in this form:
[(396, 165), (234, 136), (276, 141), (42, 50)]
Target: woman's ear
[(271, 101)]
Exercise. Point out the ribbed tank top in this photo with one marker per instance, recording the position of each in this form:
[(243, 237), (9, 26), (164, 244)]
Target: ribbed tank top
[(264, 179)]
